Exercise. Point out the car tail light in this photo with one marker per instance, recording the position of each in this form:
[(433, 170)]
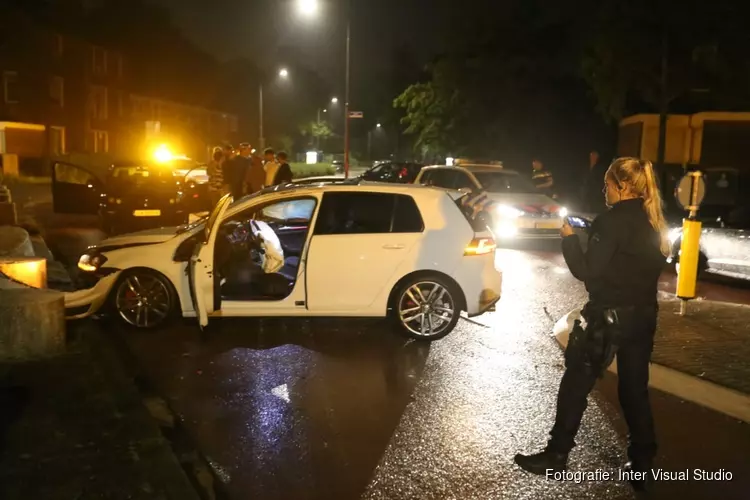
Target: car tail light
[(480, 246)]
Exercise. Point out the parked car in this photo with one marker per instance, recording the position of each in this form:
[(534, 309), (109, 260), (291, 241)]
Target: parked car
[(725, 218), (520, 211), (393, 171), (338, 166), (330, 249), (129, 195)]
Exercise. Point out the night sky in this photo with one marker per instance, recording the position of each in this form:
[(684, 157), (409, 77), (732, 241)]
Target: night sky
[(263, 30)]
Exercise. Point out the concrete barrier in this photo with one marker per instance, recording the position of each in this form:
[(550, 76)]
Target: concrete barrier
[(15, 242), (33, 323)]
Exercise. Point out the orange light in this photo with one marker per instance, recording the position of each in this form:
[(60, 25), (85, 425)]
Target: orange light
[(480, 246), (27, 270)]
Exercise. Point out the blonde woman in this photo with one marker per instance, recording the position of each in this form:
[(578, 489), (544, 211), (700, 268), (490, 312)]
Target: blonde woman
[(621, 268)]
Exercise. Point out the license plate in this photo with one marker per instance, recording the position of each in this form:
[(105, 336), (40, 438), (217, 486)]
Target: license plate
[(548, 225), (147, 213)]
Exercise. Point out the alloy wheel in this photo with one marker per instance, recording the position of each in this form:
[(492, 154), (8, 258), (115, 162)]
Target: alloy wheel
[(143, 300), (426, 309)]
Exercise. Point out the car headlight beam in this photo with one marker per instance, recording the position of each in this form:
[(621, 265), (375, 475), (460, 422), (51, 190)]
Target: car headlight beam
[(508, 212)]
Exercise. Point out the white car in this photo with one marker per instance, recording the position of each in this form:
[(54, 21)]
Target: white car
[(328, 249), (520, 211)]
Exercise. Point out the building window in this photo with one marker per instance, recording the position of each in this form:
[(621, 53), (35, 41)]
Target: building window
[(59, 46), (98, 102), (57, 91), (99, 61), (99, 141), (10, 87), (57, 140)]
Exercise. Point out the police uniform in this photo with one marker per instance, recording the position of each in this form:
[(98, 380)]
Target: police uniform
[(621, 270), (540, 178)]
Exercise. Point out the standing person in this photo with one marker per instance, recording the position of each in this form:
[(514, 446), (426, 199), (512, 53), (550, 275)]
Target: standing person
[(284, 174), (270, 165), (233, 171), (216, 186), (591, 197), (542, 178), (621, 268), (255, 175)]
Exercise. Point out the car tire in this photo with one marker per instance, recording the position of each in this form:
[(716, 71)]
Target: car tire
[(422, 297), (140, 286)]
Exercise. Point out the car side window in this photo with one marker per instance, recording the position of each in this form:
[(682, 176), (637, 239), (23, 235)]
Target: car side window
[(426, 178), (355, 213), (406, 218), (70, 174), (462, 180)]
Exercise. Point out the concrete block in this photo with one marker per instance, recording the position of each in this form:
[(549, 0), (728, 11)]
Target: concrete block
[(33, 323), (15, 242)]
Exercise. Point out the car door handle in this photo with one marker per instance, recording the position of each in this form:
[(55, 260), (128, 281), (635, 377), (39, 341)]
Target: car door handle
[(395, 246)]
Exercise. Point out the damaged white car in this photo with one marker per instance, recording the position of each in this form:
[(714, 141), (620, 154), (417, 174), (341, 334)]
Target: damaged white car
[(345, 248)]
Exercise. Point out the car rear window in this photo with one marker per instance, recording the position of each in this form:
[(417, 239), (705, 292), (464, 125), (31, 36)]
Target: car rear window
[(479, 223)]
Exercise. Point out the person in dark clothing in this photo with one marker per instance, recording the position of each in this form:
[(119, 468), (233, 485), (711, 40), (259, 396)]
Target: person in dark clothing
[(621, 269), (591, 195), (255, 174), (233, 171), (542, 178), (284, 172)]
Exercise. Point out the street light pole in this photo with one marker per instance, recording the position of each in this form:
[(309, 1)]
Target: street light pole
[(261, 139), (346, 98)]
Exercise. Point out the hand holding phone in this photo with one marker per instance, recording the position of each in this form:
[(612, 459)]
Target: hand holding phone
[(566, 229)]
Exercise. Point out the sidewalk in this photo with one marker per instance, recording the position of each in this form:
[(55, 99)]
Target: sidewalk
[(702, 357), (79, 430)]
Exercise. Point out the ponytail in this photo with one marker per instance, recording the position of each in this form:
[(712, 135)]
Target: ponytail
[(640, 176), (654, 206)]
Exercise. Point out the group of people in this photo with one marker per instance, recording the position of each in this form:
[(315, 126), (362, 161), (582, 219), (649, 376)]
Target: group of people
[(241, 171)]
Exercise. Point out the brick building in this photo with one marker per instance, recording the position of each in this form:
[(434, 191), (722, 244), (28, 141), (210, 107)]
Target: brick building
[(60, 94)]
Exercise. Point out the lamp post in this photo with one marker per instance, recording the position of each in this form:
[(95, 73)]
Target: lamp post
[(310, 8), (283, 73), (334, 101)]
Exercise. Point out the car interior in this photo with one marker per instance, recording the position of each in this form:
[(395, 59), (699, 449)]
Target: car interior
[(244, 243)]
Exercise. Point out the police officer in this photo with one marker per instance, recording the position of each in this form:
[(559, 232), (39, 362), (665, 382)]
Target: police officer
[(621, 268), (542, 178)]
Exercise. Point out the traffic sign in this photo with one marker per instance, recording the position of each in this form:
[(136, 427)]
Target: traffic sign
[(691, 190), (356, 114)]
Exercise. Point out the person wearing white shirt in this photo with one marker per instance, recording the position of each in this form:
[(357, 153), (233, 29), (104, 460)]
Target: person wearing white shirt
[(270, 165)]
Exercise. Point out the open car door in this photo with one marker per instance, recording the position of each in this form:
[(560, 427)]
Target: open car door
[(75, 190), (201, 270)]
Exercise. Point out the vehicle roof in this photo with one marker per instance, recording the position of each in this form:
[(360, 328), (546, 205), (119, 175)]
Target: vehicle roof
[(356, 185)]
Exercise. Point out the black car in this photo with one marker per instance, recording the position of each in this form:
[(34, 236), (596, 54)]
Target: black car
[(393, 172), (128, 196)]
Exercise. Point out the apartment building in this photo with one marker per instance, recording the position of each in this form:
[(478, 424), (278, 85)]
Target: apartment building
[(60, 94)]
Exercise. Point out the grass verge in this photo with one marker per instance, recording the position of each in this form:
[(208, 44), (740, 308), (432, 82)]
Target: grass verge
[(301, 170)]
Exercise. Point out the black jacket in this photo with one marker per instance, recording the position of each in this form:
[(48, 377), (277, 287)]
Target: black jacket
[(623, 261), (284, 174)]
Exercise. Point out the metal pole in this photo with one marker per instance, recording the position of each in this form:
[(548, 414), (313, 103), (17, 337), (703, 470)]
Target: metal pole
[(317, 137), (262, 140), (346, 98)]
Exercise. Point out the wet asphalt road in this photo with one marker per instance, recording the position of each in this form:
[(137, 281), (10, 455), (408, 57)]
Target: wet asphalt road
[(339, 409)]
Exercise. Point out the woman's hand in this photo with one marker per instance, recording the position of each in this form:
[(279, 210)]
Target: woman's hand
[(566, 230)]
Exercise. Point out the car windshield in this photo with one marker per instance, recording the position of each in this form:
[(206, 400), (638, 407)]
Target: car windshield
[(504, 182)]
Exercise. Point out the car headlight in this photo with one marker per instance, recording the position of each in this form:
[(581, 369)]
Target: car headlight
[(508, 211), (90, 262), (563, 212), (674, 235)]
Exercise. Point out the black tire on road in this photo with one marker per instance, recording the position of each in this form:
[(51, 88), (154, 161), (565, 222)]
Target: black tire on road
[(144, 299), (426, 307)]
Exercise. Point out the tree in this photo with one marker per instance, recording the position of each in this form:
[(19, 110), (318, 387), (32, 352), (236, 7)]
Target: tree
[(678, 48), (316, 131)]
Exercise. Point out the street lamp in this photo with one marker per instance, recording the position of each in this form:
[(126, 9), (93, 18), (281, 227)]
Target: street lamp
[(310, 8), (378, 125), (334, 100), (283, 73)]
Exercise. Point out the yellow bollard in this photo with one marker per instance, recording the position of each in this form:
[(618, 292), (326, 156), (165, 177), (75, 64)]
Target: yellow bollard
[(687, 276)]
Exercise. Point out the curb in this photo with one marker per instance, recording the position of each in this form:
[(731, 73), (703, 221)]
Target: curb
[(701, 392)]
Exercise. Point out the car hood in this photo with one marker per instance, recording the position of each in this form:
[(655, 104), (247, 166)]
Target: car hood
[(147, 237)]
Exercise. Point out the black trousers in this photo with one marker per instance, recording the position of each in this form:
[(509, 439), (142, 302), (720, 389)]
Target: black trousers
[(633, 356)]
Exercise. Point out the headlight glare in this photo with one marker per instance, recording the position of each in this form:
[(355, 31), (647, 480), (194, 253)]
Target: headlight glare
[(508, 211), (674, 235)]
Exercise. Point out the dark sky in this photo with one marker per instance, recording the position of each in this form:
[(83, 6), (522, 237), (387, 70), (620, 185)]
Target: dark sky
[(263, 30)]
